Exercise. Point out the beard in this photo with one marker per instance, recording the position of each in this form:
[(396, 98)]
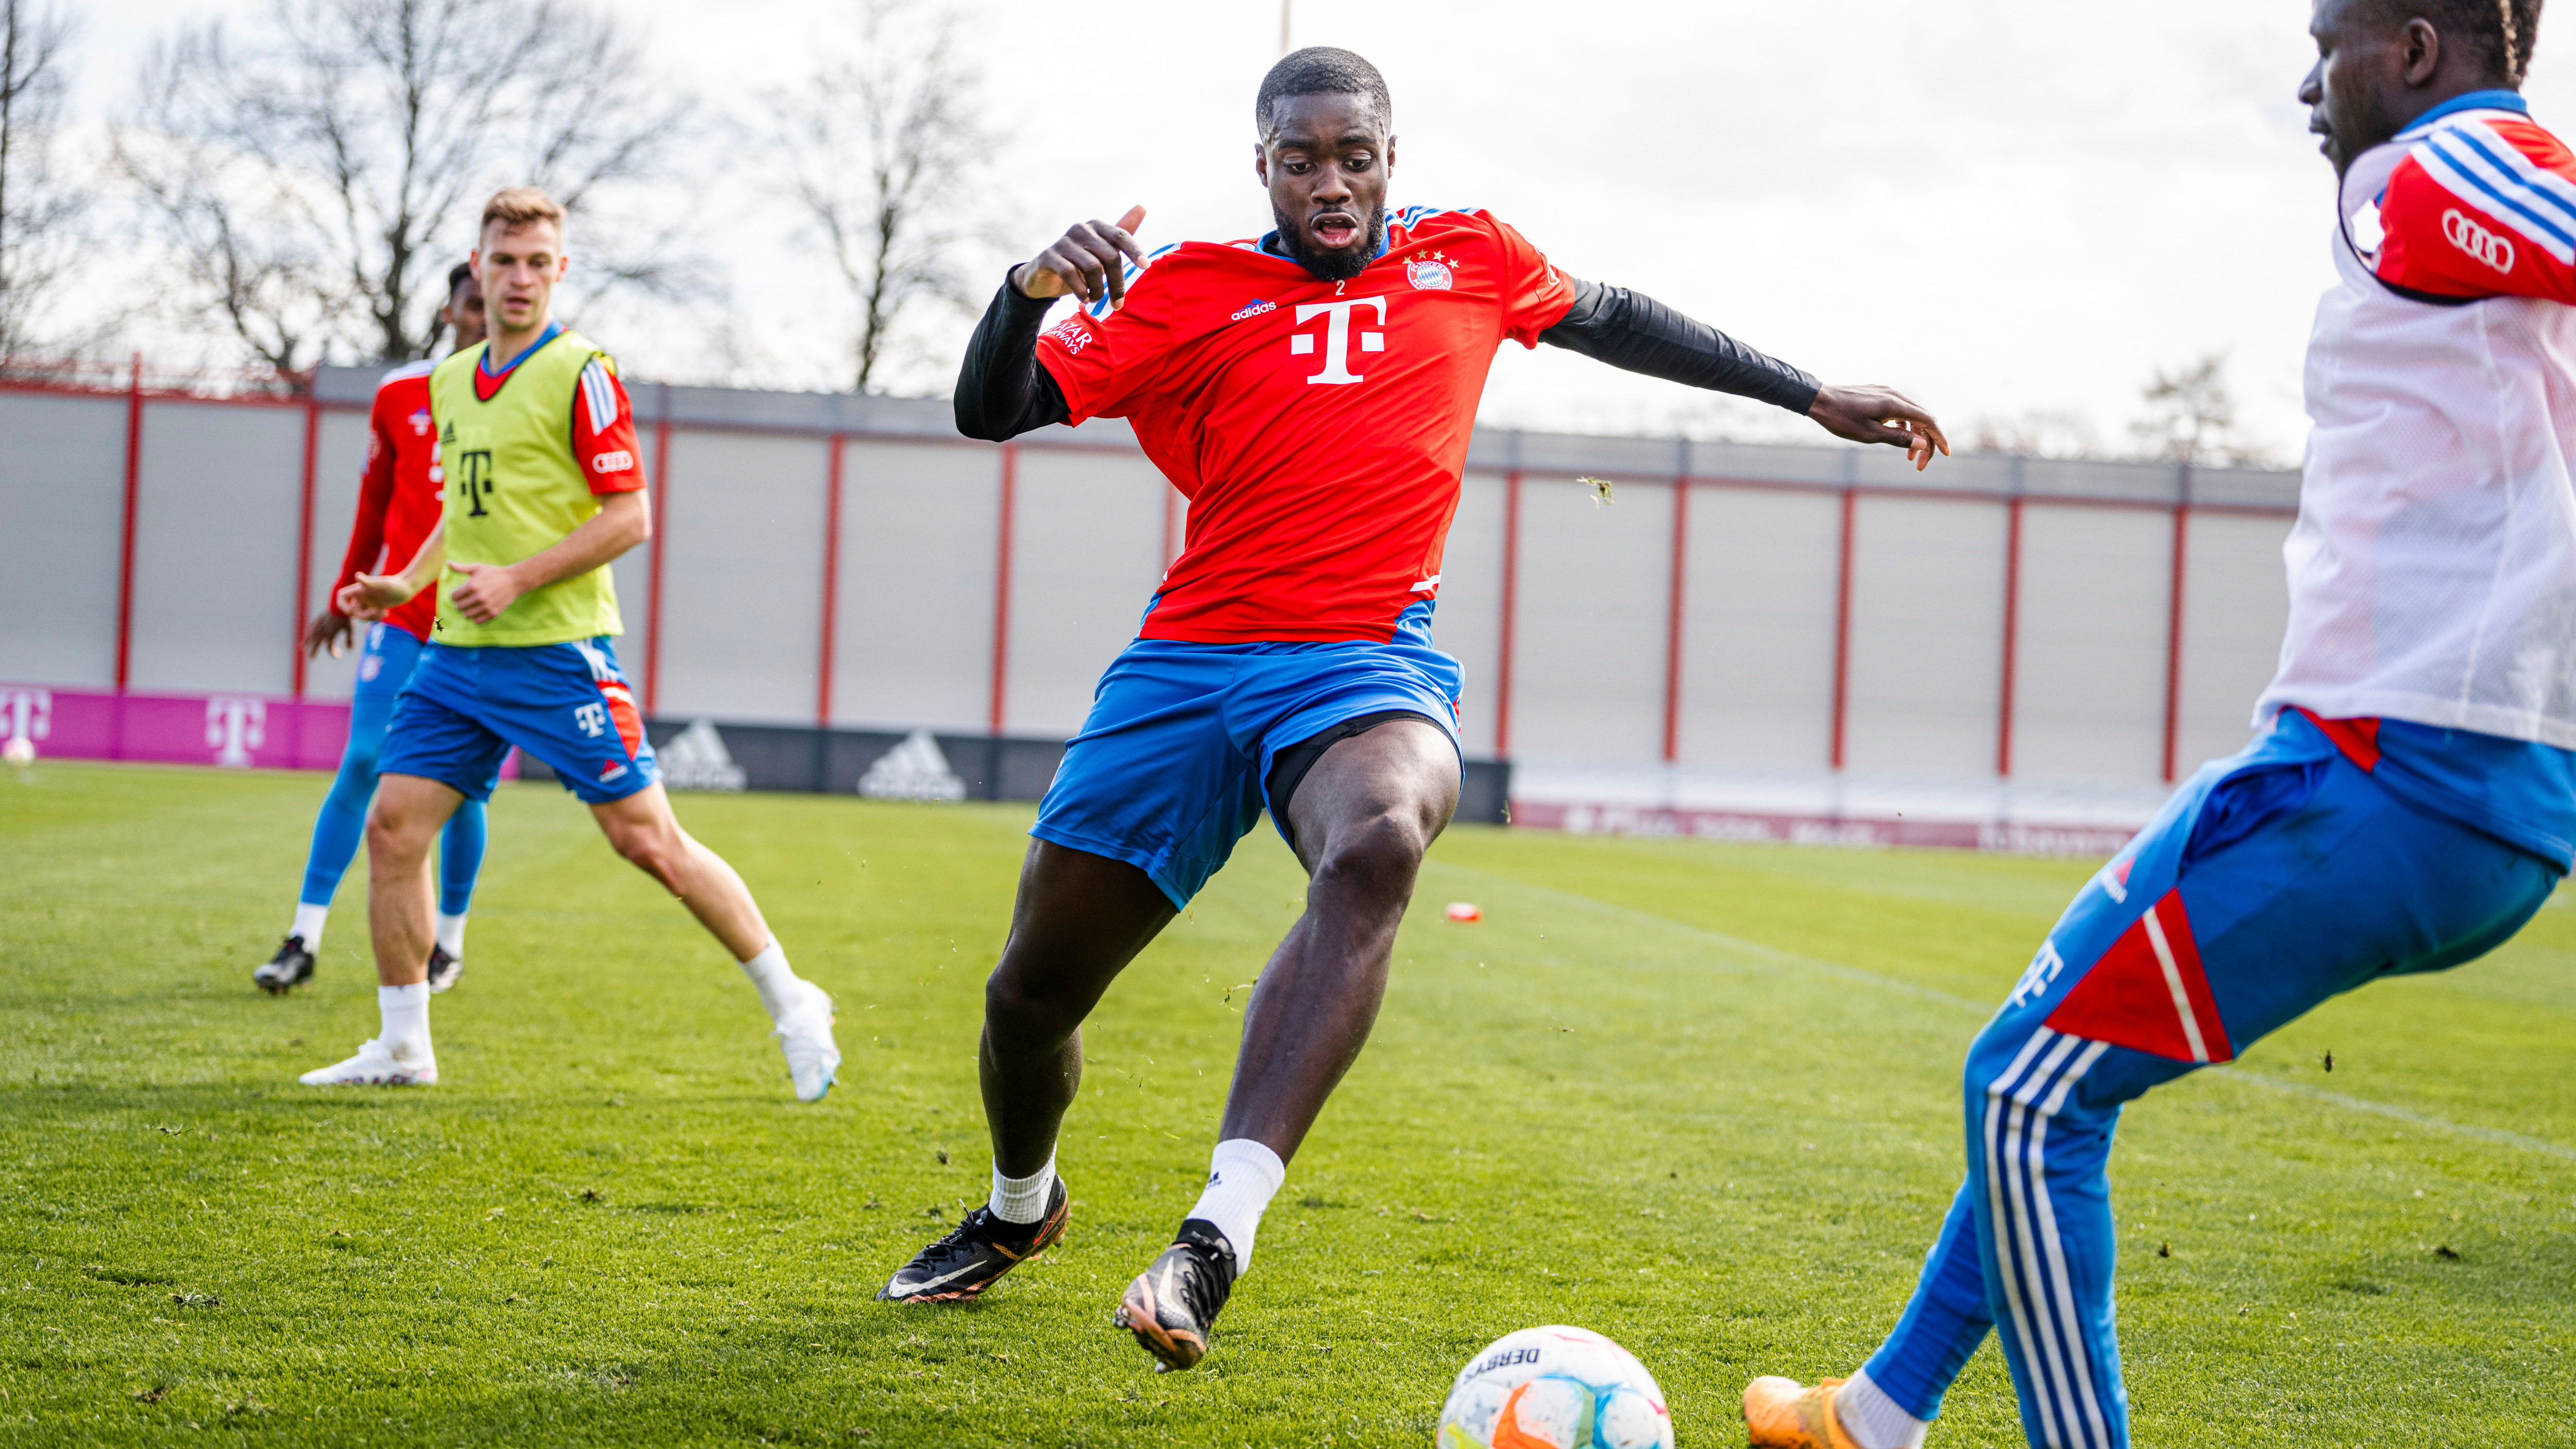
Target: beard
[(1332, 266)]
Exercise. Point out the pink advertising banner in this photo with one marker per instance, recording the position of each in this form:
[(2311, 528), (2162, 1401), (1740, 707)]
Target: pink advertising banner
[(242, 731), (2011, 838)]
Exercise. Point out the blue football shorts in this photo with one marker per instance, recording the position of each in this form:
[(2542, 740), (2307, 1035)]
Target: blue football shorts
[(1167, 772), (385, 659), (565, 704)]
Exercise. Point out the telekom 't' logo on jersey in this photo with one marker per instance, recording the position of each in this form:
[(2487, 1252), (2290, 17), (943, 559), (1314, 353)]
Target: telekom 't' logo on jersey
[(1337, 336)]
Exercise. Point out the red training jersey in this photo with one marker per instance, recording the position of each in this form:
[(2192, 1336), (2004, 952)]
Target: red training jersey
[(2483, 205), (1318, 428), (399, 494)]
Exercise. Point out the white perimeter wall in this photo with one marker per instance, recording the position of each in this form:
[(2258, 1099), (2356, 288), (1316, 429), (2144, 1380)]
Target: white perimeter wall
[(745, 544)]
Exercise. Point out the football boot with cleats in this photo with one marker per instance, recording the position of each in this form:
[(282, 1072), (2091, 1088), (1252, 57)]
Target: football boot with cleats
[(1172, 1306), (1782, 1413), (375, 1065), (978, 1251), (291, 967), (443, 969)]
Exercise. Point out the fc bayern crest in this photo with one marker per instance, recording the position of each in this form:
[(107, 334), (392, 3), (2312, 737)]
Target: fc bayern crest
[(1428, 276)]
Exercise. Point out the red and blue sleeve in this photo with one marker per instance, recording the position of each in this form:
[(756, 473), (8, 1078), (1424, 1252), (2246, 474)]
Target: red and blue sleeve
[(375, 494), (1536, 295), (1105, 360), (2482, 208), (603, 431)]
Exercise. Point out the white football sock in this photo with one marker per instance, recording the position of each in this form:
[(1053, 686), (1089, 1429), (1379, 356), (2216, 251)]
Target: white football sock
[(308, 924), (1243, 1176), (1022, 1199), (450, 933), (405, 1010), (774, 979), (1873, 1419)]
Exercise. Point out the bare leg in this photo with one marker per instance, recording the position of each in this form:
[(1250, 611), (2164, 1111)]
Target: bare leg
[(404, 821), (1079, 919), (644, 830), (1363, 818)]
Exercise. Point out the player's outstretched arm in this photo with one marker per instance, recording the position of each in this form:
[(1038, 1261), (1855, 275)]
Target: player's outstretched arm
[(369, 597), (1002, 392), (1636, 333)]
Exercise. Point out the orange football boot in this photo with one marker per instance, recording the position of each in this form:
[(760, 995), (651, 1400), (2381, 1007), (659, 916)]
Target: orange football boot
[(1785, 1414)]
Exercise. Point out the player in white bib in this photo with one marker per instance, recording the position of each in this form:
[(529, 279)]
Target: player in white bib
[(2413, 797)]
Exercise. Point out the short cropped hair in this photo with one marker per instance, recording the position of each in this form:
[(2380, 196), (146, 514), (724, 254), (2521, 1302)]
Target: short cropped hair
[(456, 276), (1322, 70), (2502, 31), (519, 206)]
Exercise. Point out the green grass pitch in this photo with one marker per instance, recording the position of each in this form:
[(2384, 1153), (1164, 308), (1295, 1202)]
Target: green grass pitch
[(1701, 1098)]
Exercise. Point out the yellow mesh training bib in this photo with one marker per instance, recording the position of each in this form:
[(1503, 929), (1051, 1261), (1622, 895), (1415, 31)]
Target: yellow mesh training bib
[(513, 489)]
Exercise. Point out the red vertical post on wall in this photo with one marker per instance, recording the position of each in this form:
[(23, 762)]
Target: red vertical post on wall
[(2012, 636), (304, 526), (1673, 622), (831, 583), (653, 557), (125, 548), (1842, 625), (1002, 582), (1511, 610), (2173, 635)]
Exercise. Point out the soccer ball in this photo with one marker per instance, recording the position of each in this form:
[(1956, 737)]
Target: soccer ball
[(20, 751), (1555, 1388)]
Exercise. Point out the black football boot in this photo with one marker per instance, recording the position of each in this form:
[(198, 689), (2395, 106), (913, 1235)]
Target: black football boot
[(291, 967), (443, 969), (1172, 1306), (975, 1254)]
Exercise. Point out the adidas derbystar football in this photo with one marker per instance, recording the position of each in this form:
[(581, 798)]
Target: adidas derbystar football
[(1555, 1388)]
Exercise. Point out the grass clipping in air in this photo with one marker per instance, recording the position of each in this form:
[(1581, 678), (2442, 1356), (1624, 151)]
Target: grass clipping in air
[(1703, 1098)]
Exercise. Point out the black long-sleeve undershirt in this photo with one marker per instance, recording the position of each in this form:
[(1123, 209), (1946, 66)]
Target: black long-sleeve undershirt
[(1002, 392), (1635, 333)]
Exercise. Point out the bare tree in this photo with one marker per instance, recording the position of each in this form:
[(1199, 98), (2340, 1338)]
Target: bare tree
[(882, 151), (2191, 414), (40, 207), (2039, 433), (318, 185)]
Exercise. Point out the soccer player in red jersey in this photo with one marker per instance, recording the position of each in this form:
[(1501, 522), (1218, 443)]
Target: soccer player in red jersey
[(398, 505), (1312, 393)]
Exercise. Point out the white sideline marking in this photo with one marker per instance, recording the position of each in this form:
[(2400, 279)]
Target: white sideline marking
[(1772, 954)]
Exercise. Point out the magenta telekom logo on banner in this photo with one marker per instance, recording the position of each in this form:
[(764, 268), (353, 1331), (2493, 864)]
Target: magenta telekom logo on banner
[(235, 726), (26, 714)]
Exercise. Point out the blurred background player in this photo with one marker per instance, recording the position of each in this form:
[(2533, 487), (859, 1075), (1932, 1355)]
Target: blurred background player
[(1312, 394), (398, 502), (2414, 801), (543, 489)]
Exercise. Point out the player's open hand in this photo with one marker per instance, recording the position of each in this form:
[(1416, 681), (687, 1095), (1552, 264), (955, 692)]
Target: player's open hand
[(330, 630), (1880, 415), (1085, 261), (488, 591), (372, 596)]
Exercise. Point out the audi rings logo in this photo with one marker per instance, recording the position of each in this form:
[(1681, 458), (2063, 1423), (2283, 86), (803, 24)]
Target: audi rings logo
[(2477, 241)]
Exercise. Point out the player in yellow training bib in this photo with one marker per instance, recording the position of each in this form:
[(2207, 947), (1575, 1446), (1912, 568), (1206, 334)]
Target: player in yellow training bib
[(542, 490)]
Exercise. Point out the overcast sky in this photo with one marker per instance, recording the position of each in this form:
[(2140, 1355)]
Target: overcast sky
[(2000, 206)]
